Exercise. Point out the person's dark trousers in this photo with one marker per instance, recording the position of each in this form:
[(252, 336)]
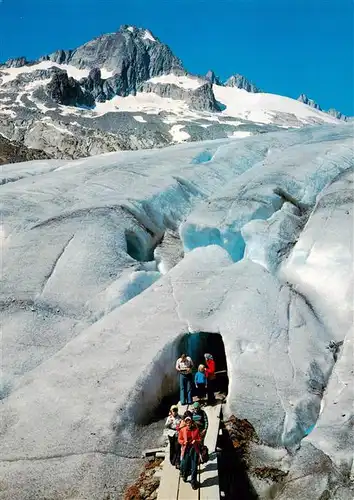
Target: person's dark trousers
[(210, 391), (189, 464), (201, 391), (185, 386), (194, 457), (175, 450)]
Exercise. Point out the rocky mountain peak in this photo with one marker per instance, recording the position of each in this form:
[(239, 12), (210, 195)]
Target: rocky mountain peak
[(116, 65), (310, 102), (143, 33), (16, 62), (337, 114), (212, 78), (130, 49), (241, 82)]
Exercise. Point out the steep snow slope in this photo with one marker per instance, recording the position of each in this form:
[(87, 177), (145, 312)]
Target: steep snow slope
[(236, 103), (267, 108), (94, 315)]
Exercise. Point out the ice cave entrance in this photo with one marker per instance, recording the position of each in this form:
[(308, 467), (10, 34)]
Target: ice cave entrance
[(197, 344)]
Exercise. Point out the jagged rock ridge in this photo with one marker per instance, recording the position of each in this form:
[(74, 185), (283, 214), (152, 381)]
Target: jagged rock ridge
[(310, 102), (241, 82)]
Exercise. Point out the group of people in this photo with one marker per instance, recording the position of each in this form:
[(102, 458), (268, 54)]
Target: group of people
[(186, 434), (202, 384)]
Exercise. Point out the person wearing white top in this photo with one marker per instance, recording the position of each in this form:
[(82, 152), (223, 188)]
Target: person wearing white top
[(172, 427), (184, 367)]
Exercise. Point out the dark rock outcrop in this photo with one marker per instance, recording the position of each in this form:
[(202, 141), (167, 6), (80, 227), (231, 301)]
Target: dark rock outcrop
[(13, 152), (241, 82), (59, 56), (95, 85), (33, 76), (67, 91), (201, 99)]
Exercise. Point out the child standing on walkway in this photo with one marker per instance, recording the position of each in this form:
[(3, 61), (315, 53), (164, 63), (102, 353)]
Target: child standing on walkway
[(200, 381)]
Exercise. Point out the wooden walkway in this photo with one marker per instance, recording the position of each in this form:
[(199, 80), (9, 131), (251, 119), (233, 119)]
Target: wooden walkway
[(172, 488)]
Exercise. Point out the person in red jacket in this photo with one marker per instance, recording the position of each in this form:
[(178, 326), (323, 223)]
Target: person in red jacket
[(210, 374), (189, 439)]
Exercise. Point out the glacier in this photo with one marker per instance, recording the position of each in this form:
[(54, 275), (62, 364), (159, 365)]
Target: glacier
[(109, 261)]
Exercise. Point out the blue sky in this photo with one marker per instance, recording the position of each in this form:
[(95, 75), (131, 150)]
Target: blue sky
[(284, 46)]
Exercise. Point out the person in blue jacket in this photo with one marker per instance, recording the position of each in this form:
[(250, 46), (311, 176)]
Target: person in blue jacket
[(201, 382)]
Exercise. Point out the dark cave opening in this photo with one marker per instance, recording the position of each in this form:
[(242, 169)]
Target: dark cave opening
[(137, 249), (197, 344)]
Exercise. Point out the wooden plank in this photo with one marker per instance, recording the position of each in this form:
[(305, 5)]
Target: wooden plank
[(169, 484), (173, 488), (168, 489), (209, 479), (153, 451), (186, 492), (209, 476)]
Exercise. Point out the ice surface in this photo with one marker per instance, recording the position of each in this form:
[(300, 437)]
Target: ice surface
[(97, 296), (320, 265), (297, 174), (169, 252)]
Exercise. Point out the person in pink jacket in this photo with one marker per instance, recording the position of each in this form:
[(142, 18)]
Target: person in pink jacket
[(189, 439)]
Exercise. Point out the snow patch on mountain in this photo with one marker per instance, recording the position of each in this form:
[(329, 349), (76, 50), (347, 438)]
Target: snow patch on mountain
[(239, 134), (183, 81), (10, 74), (178, 134), (139, 119), (148, 36), (147, 102), (264, 108)]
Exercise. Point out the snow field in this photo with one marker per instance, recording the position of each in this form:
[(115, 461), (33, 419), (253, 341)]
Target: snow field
[(260, 106), (185, 82)]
